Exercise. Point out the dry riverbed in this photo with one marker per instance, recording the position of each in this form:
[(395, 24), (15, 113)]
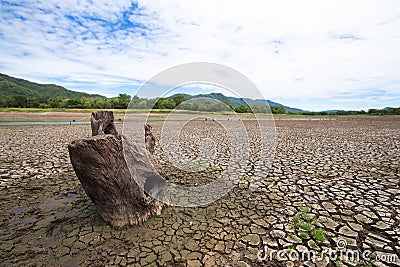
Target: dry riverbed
[(333, 184)]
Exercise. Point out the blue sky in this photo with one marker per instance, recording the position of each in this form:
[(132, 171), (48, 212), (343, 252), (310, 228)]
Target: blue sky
[(314, 55)]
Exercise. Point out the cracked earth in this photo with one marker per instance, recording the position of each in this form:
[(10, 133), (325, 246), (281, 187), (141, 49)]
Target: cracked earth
[(333, 184)]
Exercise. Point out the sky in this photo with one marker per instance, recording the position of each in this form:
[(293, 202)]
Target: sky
[(313, 55)]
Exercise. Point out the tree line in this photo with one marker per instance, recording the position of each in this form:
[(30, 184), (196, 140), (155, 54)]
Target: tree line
[(122, 101), (19, 101), (386, 111)]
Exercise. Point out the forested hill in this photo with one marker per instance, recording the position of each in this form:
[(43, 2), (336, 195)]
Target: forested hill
[(236, 101), (20, 93), (15, 89)]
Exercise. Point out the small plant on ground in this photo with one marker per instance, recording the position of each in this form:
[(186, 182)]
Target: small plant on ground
[(293, 236), (338, 263), (307, 228), (303, 212), (313, 244), (296, 218), (304, 208), (319, 235), (304, 225), (304, 235), (362, 219)]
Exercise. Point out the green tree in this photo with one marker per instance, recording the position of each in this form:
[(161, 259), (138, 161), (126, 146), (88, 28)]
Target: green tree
[(73, 103), (243, 109), (278, 110), (55, 102), (178, 99), (164, 103), (20, 101), (123, 100)]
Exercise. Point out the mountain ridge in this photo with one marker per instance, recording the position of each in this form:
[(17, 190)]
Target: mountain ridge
[(24, 90), (239, 101), (14, 87)]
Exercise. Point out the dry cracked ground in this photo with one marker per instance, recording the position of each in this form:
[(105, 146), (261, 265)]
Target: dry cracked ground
[(333, 188)]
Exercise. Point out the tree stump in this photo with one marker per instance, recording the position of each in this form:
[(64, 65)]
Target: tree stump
[(149, 138), (102, 122), (112, 179)]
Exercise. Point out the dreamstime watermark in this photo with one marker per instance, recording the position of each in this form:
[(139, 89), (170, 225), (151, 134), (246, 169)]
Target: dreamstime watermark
[(340, 254), (246, 147)]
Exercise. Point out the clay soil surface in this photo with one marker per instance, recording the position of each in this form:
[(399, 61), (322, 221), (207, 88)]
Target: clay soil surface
[(333, 184)]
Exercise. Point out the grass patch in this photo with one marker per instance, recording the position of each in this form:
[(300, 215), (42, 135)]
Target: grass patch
[(304, 208), (313, 244), (297, 218), (362, 219), (338, 263), (293, 236), (78, 110), (319, 235), (304, 235), (307, 229), (304, 225)]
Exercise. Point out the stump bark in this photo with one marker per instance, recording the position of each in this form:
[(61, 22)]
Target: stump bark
[(102, 122), (149, 138), (112, 179)]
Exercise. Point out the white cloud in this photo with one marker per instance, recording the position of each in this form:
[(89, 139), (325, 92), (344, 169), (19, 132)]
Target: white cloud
[(293, 49)]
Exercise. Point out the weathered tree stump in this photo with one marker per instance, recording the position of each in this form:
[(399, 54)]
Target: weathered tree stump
[(112, 179), (102, 122), (149, 138)]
